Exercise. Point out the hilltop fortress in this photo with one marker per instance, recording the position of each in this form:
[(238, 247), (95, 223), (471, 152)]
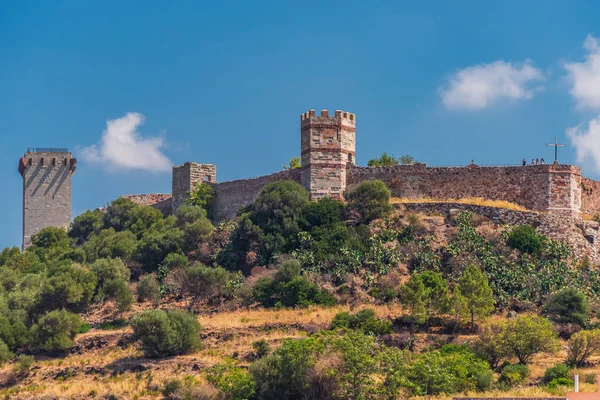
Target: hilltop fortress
[(328, 169), (556, 194)]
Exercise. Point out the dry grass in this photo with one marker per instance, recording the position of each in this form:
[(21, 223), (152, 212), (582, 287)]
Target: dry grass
[(228, 334), (476, 201)]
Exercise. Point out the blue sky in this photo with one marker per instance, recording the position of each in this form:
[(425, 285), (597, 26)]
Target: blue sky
[(225, 82)]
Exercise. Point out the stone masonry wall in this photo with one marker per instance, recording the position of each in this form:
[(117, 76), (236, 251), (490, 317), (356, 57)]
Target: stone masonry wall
[(590, 196), (540, 187), (230, 196), (186, 176), (161, 201), (46, 191)]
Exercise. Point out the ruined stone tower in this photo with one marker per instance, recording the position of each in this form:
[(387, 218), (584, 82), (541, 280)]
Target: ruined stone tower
[(186, 176), (46, 190), (328, 145)]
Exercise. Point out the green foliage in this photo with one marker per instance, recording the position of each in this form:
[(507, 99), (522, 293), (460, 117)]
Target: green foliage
[(529, 335), (412, 296), (437, 372), (384, 160), (474, 288), (363, 320), (233, 383), (148, 289), (201, 282), (123, 214), (261, 348), (23, 363), (55, 331), (84, 225), (156, 244), (524, 238), (202, 195), (117, 289), (370, 200), (196, 227), (581, 346), (513, 374), (288, 288), (283, 373), (388, 160), (68, 286), (166, 333), (294, 163), (359, 357), (554, 383), (568, 305), (557, 372), (5, 353), (50, 242), (171, 262), (108, 243), (107, 269), (490, 344)]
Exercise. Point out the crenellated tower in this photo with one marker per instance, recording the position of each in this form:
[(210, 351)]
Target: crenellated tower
[(46, 190), (328, 145)]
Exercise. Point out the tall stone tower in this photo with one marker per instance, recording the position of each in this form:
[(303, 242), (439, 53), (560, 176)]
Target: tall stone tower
[(328, 145), (46, 190), (186, 176)]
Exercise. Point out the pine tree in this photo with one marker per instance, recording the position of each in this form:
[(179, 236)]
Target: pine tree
[(474, 287), (412, 296)]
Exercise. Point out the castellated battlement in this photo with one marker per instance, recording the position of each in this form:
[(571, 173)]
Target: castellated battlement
[(46, 176)]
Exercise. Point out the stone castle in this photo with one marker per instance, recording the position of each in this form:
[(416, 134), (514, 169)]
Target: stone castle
[(328, 169)]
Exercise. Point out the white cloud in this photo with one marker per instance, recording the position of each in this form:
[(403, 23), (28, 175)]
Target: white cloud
[(122, 147), (585, 76), (587, 141), (482, 86)]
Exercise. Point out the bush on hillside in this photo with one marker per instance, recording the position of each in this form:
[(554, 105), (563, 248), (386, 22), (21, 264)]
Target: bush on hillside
[(117, 290), (55, 331), (363, 320), (568, 305), (370, 200), (559, 371), (513, 375), (166, 333), (148, 289), (581, 346), (110, 268), (525, 239)]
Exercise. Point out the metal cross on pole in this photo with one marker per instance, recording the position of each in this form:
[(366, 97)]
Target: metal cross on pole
[(556, 145)]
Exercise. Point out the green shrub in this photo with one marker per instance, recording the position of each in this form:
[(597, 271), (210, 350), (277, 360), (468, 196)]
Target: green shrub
[(110, 268), (525, 239), (370, 200), (568, 305), (171, 387), (484, 380), (554, 383), (117, 290), (556, 372), (581, 346), (514, 374), (261, 348), (233, 382), (55, 331), (5, 353), (363, 320), (165, 333), (85, 328), (148, 289), (283, 374), (23, 364)]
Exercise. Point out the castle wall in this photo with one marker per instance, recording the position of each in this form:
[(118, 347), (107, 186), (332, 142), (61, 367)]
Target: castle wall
[(590, 196), (46, 190), (230, 196), (186, 176), (161, 201), (540, 187)]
